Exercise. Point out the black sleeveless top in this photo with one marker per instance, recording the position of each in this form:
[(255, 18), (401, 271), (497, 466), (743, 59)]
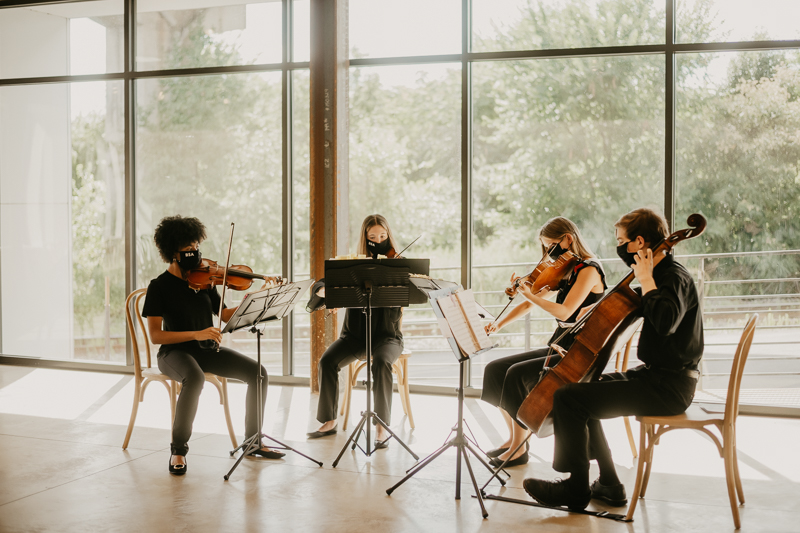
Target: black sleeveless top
[(563, 290)]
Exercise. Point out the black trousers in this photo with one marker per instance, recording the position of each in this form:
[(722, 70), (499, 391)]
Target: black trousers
[(343, 352), (187, 367), (508, 380), (579, 407)]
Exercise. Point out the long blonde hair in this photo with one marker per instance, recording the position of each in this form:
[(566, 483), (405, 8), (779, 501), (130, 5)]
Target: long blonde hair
[(370, 221), (559, 227)]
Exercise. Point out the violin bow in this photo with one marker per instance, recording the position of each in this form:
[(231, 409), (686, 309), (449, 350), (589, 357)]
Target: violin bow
[(225, 280), (409, 246)]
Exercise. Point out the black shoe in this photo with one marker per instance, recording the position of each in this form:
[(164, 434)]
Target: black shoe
[(491, 454), (178, 470), (521, 460), (380, 444), (266, 454), (318, 434), (614, 495), (556, 493)]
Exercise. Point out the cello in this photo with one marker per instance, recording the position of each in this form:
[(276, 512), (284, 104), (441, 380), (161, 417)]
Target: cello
[(613, 319)]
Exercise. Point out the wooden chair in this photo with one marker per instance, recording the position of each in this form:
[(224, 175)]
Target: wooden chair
[(621, 365), (144, 375), (653, 427), (399, 367)]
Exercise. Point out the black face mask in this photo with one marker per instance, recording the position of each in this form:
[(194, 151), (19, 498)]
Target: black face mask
[(189, 259), (375, 248), (557, 251), (626, 256)]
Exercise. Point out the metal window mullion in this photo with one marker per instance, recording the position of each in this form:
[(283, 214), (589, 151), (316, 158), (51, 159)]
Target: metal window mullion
[(287, 207), (129, 96), (466, 158), (669, 116)]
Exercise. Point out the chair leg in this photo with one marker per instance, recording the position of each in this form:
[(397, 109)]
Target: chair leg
[(348, 392), (136, 399), (639, 471), (407, 394), (730, 479), (224, 394), (631, 440), (739, 489), (173, 400), (651, 446)]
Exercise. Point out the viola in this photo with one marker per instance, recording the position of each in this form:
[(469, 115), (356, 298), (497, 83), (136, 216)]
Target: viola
[(240, 277), (612, 320)]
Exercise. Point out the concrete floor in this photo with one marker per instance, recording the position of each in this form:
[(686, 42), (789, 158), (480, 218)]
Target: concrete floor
[(62, 469)]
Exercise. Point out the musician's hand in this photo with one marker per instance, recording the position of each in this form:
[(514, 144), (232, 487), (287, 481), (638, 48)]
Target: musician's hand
[(525, 290), (643, 265), (490, 328), (511, 291), (211, 333)]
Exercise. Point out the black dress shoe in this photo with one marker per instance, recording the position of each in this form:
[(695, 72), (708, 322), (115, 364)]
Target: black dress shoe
[(380, 444), (318, 434), (497, 451), (521, 460), (556, 493), (178, 470), (614, 495), (266, 454)]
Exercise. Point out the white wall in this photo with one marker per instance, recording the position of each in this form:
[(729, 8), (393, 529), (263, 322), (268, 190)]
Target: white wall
[(35, 175)]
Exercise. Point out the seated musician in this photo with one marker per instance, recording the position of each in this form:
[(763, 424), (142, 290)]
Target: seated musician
[(387, 343), (180, 320), (507, 381), (670, 346)]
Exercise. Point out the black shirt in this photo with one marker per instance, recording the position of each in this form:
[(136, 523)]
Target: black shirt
[(563, 290), (385, 324), (672, 334), (181, 308)]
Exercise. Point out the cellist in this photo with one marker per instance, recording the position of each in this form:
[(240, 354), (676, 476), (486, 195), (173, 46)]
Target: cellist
[(507, 381), (670, 346)]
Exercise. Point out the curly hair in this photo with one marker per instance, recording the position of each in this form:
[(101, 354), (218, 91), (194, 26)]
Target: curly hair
[(174, 233)]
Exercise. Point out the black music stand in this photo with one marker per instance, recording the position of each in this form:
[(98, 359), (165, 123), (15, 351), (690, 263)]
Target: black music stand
[(257, 308), (460, 441), (368, 283)]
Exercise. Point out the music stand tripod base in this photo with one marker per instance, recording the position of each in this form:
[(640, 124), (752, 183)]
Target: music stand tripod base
[(264, 306)]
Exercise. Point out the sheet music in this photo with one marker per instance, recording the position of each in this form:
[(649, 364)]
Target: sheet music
[(461, 312)]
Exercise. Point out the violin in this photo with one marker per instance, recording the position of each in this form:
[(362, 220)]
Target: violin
[(546, 275), (240, 277)]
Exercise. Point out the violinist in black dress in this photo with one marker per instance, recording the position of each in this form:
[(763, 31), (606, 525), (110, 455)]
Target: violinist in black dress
[(670, 346), (507, 381), (179, 318)]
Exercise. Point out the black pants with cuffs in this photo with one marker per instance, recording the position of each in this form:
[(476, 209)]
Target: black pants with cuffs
[(579, 407), (343, 352), (187, 367)]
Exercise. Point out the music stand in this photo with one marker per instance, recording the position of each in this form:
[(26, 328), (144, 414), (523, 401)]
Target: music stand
[(460, 442), (368, 283), (259, 307)]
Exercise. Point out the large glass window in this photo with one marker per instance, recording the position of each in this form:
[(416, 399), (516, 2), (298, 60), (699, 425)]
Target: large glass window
[(581, 138), (732, 21), (386, 28), (210, 146), (62, 221), (405, 164), (542, 24), (219, 33)]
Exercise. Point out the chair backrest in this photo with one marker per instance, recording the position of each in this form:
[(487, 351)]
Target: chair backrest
[(735, 382), (132, 310)]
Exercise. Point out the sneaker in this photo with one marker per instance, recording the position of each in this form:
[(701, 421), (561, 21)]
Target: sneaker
[(614, 495), (556, 493)]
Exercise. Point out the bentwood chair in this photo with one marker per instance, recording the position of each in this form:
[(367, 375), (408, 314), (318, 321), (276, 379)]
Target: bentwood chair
[(146, 374), (399, 367), (654, 427)]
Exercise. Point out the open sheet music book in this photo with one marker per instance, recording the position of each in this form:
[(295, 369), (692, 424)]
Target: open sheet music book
[(461, 313)]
